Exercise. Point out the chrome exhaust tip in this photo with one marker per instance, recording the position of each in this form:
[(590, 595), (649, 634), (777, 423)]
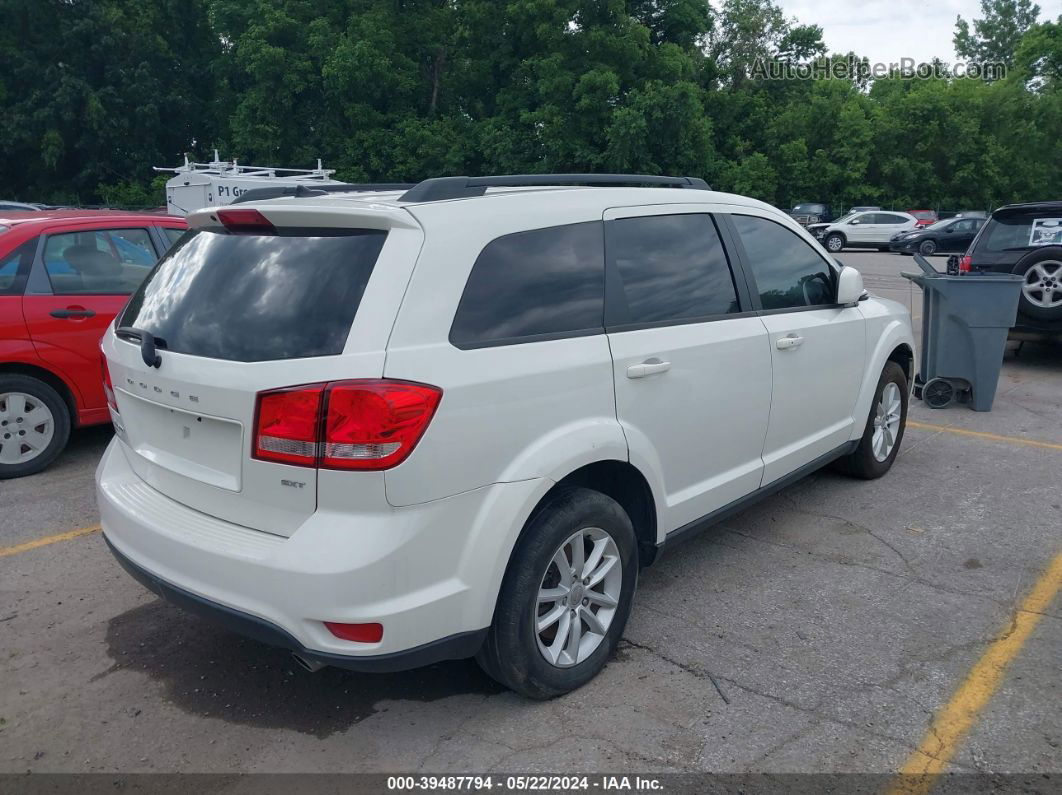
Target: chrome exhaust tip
[(310, 665)]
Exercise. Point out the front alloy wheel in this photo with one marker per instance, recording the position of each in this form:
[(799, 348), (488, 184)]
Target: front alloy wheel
[(886, 421), (578, 596), (834, 243)]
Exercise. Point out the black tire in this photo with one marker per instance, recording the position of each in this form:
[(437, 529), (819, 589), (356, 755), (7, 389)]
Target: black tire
[(1047, 256), (862, 463), (9, 429), (927, 248), (510, 654), (837, 244)]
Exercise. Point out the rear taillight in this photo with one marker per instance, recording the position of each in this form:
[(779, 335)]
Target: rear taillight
[(287, 425), (966, 264), (246, 222), (368, 424), (108, 386)]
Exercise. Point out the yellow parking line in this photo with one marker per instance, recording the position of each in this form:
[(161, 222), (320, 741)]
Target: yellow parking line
[(43, 542), (992, 437), (953, 721)]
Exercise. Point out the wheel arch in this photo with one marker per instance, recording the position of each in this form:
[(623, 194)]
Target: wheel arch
[(52, 379)]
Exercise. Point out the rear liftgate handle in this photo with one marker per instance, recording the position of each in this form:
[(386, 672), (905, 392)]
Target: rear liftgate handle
[(789, 342), (648, 367)]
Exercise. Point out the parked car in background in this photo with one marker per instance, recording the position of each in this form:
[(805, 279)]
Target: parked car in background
[(807, 213), (863, 230), (421, 427), (19, 207), (63, 277), (944, 237), (924, 217), (1025, 239)]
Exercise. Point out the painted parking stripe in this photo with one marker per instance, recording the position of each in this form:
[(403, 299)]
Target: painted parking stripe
[(992, 437), (6, 552), (954, 720)]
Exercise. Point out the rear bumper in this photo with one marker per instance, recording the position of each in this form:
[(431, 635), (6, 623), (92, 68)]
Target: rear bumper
[(454, 647), (429, 573)]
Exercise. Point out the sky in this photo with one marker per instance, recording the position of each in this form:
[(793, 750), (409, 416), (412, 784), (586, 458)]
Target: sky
[(884, 32)]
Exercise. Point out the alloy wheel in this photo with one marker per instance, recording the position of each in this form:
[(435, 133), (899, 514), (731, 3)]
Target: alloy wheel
[(578, 597), (1043, 284), (886, 421)]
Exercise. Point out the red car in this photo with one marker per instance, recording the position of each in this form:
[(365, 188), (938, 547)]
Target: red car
[(64, 275), (924, 217)]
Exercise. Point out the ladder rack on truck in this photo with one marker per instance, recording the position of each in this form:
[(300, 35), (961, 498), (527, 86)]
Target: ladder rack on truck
[(196, 185)]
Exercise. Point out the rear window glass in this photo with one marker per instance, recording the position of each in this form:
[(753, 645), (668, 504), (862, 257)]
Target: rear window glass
[(1020, 232), (253, 298), (532, 284)]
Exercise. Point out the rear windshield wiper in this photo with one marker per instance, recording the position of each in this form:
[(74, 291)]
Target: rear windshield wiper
[(148, 343)]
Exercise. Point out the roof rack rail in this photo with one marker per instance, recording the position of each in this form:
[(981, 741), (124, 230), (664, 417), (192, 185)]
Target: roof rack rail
[(301, 191), (439, 188)]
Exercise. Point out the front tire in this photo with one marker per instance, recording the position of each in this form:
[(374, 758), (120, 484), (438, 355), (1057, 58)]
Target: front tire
[(927, 248), (565, 598), (834, 242), (34, 425), (880, 444)]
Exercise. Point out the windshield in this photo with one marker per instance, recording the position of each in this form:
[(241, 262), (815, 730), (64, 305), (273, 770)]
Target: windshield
[(253, 298), (814, 209), (938, 225), (923, 214)]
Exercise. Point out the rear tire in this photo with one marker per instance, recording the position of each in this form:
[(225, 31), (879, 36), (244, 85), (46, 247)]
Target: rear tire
[(868, 461), (34, 425), (1041, 290), (515, 651)]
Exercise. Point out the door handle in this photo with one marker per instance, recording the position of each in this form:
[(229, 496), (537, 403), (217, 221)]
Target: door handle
[(648, 367), (789, 342), (72, 313)]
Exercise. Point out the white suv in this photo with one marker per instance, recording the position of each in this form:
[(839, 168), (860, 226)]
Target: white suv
[(387, 429), (863, 230)]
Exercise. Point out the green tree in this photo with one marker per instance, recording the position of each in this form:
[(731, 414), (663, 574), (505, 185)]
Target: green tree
[(996, 35)]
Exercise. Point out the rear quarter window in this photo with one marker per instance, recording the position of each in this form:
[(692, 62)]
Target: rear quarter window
[(15, 267), (253, 298), (538, 284)]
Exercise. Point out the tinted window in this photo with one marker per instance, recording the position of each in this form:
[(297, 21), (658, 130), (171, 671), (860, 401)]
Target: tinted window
[(673, 267), (788, 272), (101, 261), (254, 298), (15, 267), (172, 235), (546, 281), (1019, 232), (889, 218)]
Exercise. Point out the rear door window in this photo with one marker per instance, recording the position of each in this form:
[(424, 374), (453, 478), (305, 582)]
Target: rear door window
[(98, 261), (788, 272), (673, 268), (15, 267), (253, 298), (540, 284)]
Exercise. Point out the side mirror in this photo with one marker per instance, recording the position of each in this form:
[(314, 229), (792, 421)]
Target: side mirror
[(856, 222), (849, 286)]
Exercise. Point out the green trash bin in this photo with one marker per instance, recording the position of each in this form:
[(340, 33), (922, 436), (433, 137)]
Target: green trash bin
[(965, 321)]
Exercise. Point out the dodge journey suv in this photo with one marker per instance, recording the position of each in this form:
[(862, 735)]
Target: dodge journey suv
[(383, 428)]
